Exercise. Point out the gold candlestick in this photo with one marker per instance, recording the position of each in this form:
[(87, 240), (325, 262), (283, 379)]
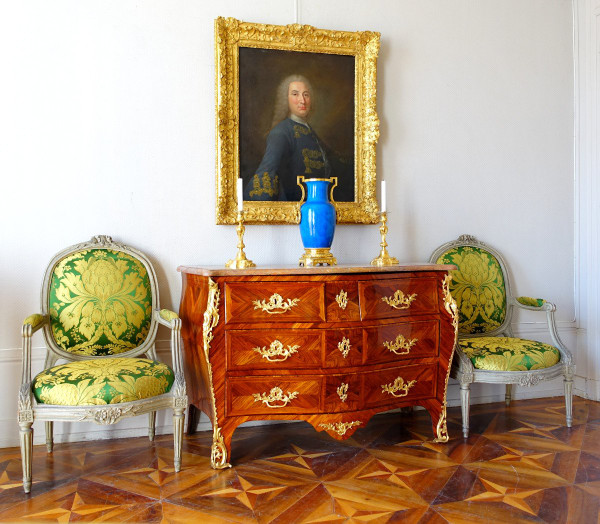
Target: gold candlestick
[(384, 259), (240, 261)]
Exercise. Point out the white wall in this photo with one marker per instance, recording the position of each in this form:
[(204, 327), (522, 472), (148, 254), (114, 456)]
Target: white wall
[(107, 127)]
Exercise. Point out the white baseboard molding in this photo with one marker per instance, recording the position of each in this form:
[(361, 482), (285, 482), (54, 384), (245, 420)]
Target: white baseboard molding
[(563, 326), (487, 393), (579, 385), (593, 389), (82, 431), (589, 387)]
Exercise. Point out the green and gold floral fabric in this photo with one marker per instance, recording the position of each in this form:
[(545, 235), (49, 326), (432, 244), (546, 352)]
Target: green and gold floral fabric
[(102, 381), (100, 302), (509, 354), (477, 286)]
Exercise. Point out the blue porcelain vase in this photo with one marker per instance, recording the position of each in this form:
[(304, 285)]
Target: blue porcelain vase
[(317, 219)]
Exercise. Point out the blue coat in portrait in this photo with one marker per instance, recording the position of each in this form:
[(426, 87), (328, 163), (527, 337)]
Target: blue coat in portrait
[(294, 149)]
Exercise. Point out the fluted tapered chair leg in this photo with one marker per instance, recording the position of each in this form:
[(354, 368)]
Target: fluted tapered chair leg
[(49, 436), (465, 398), (151, 425), (26, 438), (568, 381), (178, 421), (507, 394)]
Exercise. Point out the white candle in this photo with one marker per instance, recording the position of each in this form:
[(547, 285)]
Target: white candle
[(383, 202), (240, 194)]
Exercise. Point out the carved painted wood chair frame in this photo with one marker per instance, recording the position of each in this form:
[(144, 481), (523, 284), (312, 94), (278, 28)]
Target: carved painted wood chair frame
[(466, 373), (29, 410)]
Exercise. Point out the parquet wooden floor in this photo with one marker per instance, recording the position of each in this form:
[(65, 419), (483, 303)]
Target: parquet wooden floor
[(520, 465)]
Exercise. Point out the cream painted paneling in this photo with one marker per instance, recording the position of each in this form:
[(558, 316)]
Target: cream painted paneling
[(587, 187), (107, 111)]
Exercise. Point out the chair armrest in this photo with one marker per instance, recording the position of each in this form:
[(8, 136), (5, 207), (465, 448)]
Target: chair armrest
[(549, 308), (170, 319), (33, 322), (30, 325), (166, 317), (532, 304)]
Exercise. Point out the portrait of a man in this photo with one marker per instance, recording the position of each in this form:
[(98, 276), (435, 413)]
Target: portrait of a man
[(296, 118)]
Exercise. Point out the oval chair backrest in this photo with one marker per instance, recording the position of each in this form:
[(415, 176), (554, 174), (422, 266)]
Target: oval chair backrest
[(100, 302), (478, 287)]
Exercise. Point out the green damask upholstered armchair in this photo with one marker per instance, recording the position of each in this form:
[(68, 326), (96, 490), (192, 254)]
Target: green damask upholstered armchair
[(99, 313), (487, 350)]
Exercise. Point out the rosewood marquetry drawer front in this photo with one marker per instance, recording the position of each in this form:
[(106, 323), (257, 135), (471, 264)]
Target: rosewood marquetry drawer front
[(329, 345)]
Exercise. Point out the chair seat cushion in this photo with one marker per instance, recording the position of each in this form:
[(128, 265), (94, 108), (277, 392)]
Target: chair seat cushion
[(102, 381), (508, 354)]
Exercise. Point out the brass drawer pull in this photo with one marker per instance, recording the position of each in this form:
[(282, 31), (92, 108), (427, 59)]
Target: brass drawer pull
[(344, 346), (342, 299), (340, 427), (398, 386), (401, 343), (276, 349), (275, 395), (342, 392), (399, 300), (276, 304)]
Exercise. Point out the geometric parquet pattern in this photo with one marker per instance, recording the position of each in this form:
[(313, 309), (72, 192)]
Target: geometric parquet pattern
[(520, 464)]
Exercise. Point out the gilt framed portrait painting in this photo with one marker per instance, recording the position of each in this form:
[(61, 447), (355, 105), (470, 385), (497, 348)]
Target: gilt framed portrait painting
[(294, 100)]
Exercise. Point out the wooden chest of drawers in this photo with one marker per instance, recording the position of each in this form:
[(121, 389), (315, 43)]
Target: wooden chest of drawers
[(329, 345)]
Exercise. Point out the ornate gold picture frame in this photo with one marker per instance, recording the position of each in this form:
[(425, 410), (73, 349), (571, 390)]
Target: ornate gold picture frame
[(250, 58)]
